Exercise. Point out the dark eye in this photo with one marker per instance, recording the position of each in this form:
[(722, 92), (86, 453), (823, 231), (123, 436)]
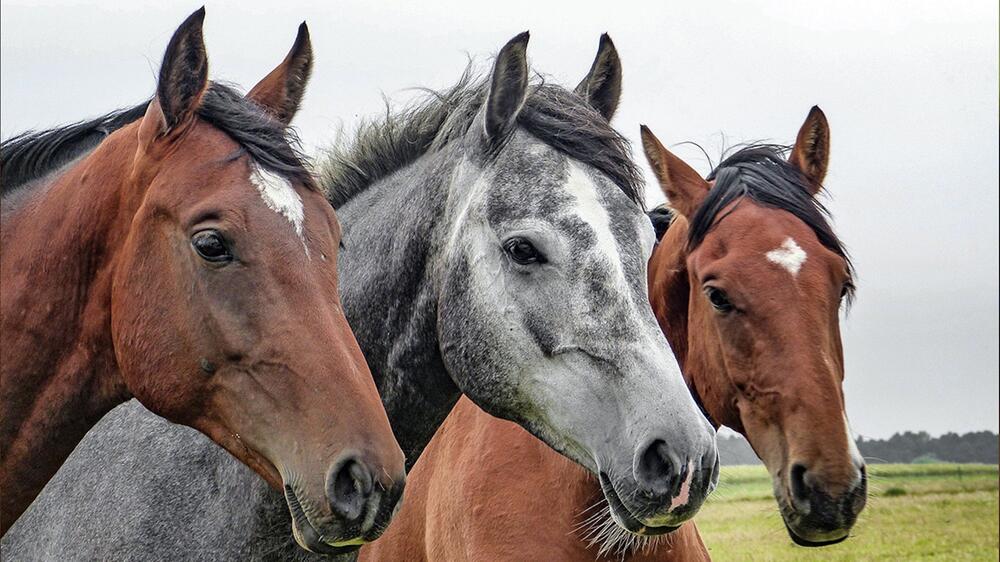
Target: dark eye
[(719, 299), (211, 246), (522, 251)]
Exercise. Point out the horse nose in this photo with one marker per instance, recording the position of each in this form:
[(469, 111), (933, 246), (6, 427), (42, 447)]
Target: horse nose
[(658, 470), (670, 475), (811, 496), (349, 487), (799, 488)]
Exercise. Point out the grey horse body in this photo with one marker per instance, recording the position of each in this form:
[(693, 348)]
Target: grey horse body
[(567, 347), (141, 488)]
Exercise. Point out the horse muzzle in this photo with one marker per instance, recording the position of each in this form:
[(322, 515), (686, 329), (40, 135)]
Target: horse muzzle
[(812, 516), (666, 491), (359, 508)]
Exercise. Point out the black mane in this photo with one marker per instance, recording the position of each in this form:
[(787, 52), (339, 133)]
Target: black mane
[(34, 154), (554, 115), (762, 173)]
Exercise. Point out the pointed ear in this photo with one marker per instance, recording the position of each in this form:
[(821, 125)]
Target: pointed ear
[(184, 72), (508, 88), (811, 154), (602, 87), (182, 82), (684, 187), (281, 91)]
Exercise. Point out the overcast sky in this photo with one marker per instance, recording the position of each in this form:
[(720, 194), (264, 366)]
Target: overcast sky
[(910, 89)]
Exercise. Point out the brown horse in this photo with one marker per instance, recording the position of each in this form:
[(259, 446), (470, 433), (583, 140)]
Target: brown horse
[(188, 259), (747, 284)]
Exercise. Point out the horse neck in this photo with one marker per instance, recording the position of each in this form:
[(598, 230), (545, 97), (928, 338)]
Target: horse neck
[(671, 292), (59, 373), (391, 303)]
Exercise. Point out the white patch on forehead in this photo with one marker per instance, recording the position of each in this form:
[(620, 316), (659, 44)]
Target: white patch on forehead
[(469, 194), (279, 195), (591, 211), (789, 256)]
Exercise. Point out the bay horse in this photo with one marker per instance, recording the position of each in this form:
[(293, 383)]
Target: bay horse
[(747, 283), (761, 278), (179, 252), (496, 247)]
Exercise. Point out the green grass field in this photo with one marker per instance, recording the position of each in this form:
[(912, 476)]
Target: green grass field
[(920, 511)]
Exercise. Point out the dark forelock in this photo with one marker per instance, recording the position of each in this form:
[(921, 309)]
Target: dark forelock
[(762, 173)]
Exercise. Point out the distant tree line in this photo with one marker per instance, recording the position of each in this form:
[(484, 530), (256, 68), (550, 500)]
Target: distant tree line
[(977, 446), (906, 447)]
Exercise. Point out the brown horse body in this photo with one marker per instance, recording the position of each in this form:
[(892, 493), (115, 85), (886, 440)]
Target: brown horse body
[(495, 516), (753, 320), (188, 260)]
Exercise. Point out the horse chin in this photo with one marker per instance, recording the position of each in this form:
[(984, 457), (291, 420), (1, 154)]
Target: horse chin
[(624, 518), (308, 537), (804, 536), (826, 540)]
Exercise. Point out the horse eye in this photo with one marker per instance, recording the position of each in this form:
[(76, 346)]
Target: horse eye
[(211, 246), (719, 300), (522, 251)]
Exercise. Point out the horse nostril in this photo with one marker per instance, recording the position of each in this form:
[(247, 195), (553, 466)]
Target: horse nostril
[(348, 488), (797, 481), (362, 478), (655, 470)]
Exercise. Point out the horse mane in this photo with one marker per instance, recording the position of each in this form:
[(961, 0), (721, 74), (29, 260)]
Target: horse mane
[(34, 154), (762, 173), (554, 115)]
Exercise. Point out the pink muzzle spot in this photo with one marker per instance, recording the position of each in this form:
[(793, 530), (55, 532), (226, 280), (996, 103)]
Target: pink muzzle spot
[(682, 497)]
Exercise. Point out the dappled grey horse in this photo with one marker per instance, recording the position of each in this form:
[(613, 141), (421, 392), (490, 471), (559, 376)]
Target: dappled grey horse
[(495, 245)]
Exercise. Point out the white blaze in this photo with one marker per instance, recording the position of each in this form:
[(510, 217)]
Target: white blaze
[(590, 209), (789, 256), (279, 195)]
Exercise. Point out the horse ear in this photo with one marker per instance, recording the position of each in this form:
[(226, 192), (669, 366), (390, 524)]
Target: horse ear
[(811, 154), (508, 87), (184, 72), (602, 87), (684, 187), (281, 91)]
